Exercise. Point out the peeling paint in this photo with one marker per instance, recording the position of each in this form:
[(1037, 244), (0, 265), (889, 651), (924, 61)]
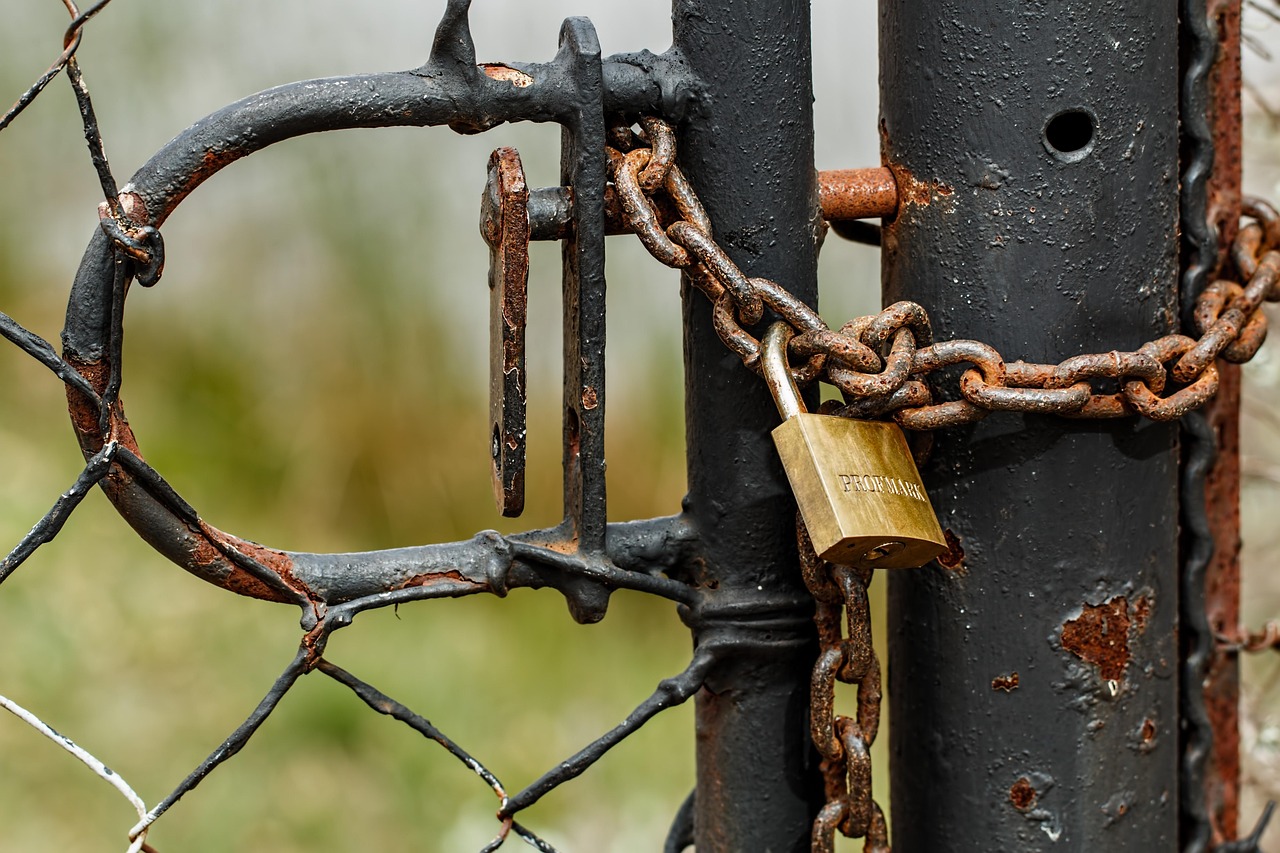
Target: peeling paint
[(514, 76), (1100, 636), (913, 191), (1007, 683)]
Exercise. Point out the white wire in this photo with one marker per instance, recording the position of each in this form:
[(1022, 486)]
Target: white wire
[(88, 760)]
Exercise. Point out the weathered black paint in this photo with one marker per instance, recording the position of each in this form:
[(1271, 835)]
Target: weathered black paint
[(747, 148), (1043, 254)]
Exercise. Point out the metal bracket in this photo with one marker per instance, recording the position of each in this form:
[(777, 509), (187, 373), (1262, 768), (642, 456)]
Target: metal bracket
[(504, 224)]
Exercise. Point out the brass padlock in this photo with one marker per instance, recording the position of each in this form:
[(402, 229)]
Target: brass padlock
[(856, 485)]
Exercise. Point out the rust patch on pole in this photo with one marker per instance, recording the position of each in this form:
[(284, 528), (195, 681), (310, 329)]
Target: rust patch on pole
[(1100, 636), (1023, 795), (1007, 683)]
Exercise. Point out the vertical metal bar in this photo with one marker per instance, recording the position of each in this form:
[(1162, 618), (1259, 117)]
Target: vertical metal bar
[(583, 165), (1211, 501), (747, 146), (1033, 690)]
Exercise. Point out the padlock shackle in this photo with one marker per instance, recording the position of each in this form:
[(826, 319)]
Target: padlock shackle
[(777, 373)]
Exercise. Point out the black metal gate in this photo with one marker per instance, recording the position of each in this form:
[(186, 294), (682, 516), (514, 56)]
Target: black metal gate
[(1055, 181)]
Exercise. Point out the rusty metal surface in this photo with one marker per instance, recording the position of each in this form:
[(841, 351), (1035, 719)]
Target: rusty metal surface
[(1163, 380), (847, 656), (1221, 683), (1222, 484), (857, 193), (504, 224)]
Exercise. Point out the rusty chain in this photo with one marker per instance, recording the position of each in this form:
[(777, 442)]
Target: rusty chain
[(882, 364), (844, 742)]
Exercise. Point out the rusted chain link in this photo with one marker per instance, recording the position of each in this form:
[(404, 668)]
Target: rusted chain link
[(1266, 638), (881, 363)]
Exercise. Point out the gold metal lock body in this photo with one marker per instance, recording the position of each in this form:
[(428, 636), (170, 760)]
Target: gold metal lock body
[(857, 487)]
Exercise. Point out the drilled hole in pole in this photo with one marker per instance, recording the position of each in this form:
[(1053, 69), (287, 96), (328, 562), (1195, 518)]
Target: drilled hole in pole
[(1069, 135)]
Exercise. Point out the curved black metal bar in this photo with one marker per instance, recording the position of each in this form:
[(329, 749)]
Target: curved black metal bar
[(450, 89), (1200, 249), (1199, 235), (680, 836), (670, 692), (1196, 635)]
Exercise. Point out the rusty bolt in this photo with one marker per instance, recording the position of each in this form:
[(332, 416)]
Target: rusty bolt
[(857, 193)]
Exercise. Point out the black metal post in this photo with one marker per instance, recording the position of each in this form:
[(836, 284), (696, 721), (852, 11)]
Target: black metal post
[(748, 150), (1034, 690)]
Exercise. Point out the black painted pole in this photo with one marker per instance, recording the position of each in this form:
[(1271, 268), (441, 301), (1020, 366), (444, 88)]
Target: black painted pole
[(747, 147), (1033, 692)]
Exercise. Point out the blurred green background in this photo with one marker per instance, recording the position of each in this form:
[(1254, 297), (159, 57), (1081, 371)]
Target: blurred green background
[(311, 374)]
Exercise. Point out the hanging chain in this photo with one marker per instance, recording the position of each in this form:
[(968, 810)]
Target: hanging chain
[(881, 362), (844, 742)]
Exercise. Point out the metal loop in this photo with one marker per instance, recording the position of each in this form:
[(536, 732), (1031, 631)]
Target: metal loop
[(947, 353), (1261, 210), (912, 395), (815, 571), (1211, 304), (1177, 404), (822, 701), (640, 212), (1105, 365), (799, 315), (897, 367), (777, 376), (1226, 329), (1050, 401), (841, 350), (939, 415), (829, 819), (724, 320), (857, 757), (1246, 249), (662, 142), (885, 324), (686, 200), (1149, 404), (143, 244), (700, 245)]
